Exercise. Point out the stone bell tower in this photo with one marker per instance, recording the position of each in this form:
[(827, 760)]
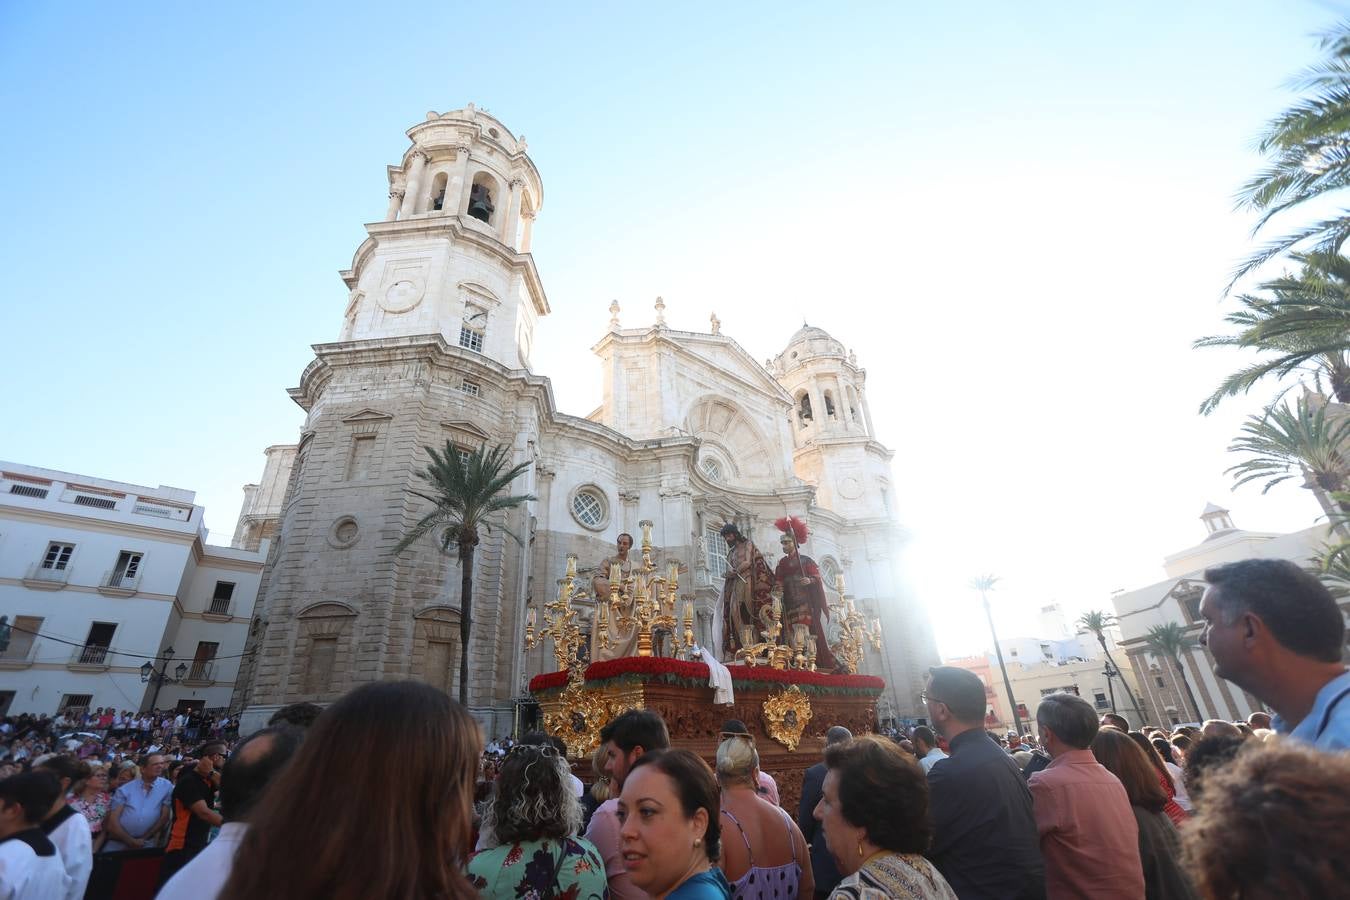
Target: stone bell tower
[(451, 256), (834, 446), (434, 348)]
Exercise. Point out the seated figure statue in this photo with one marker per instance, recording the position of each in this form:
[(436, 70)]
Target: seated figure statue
[(622, 641)]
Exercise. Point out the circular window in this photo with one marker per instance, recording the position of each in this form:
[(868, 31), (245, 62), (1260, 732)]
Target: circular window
[(589, 508), (711, 468), (493, 132), (344, 533)]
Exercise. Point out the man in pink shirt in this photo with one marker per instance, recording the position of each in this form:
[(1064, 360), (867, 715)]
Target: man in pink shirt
[(627, 737), (1088, 834)]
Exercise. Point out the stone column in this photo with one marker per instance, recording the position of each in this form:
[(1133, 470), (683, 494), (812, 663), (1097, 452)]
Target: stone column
[(410, 197), (512, 217), (396, 192), (866, 410), (528, 216), (841, 402), (456, 195)]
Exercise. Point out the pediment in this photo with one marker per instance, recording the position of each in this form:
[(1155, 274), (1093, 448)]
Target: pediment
[(327, 609), (724, 357), (467, 428), (366, 415)]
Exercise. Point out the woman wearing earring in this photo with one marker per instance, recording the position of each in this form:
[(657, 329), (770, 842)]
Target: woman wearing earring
[(874, 813), (669, 829)]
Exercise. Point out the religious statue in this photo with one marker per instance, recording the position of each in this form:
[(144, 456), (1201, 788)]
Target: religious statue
[(622, 641), (804, 601), (745, 594)]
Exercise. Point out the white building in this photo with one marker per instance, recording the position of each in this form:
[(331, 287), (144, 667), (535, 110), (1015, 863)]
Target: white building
[(98, 577), (1177, 599), (438, 319)]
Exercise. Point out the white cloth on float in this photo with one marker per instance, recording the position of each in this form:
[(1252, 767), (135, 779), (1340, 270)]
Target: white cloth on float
[(719, 678)]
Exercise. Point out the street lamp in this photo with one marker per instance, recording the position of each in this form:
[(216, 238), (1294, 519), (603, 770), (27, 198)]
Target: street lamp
[(162, 677)]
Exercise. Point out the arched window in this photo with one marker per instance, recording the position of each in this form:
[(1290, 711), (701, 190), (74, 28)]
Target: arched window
[(712, 468), (438, 191), (829, 404), (482, 202), (804, 408)]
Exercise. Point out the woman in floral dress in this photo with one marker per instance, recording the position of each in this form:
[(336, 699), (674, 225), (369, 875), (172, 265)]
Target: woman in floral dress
[(92, 801), (530, 829)]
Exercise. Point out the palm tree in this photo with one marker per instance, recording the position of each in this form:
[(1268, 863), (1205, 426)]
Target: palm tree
[(1171, 640), (1302, 442), (1308, 146), (465, 491), (1302, 319), (1097, 622), (984, 584)]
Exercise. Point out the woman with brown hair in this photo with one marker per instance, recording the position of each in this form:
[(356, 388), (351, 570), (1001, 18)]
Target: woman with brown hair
[(1272, 826), (874, 812), (376, 803), (1159, 847), (669, 827), (771, 861), (1173, 807)]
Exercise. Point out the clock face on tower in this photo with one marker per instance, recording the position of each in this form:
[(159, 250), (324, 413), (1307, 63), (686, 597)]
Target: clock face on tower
[(850, 488), (401, 296)]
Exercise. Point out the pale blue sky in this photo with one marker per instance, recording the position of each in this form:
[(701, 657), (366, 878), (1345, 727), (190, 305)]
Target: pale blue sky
[(1018, 215)]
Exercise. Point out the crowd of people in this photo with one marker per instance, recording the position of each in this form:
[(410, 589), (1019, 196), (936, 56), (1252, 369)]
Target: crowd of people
[(390, 792)]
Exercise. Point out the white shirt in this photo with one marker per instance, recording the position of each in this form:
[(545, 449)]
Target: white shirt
[(75, 843), (203, 878), (1179, 781), (933, 756), (26, 876)]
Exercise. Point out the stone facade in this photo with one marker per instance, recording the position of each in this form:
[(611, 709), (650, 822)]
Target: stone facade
[(692, 433)]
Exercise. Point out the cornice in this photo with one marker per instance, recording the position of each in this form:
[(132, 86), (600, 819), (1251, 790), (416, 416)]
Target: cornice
[(448, 227), (90, 524), (93, 589)]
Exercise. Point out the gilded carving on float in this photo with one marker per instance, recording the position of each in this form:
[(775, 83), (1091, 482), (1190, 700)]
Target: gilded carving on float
[(785, 716)]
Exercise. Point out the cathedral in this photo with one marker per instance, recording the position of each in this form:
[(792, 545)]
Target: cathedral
[(691, 433)]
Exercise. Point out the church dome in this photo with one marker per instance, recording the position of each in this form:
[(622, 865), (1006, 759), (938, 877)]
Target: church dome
[(809, 342)]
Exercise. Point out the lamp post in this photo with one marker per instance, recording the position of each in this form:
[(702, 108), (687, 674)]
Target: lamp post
[(1110, 672), (162, 677)]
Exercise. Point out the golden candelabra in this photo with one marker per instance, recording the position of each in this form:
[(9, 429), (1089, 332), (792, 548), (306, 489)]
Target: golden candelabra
[(800, 654), (854, 635), (560, 625), (646, 601)]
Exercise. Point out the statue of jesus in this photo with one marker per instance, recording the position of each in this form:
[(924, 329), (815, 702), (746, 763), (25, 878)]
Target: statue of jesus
[(745, 593)]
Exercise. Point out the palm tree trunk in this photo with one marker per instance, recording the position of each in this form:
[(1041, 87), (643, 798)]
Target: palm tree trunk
[(1007, 684), (465, 618), (1185, 682)]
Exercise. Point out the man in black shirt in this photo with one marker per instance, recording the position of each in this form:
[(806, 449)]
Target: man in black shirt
[(985, 841), (193, 814)]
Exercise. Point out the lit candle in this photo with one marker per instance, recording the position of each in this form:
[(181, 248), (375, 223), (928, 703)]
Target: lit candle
[(571, 565), (529, 618), (747, 635), (646, 534), (674, 573), (777, 606), (839, 583), (688, 612), (615, 574)]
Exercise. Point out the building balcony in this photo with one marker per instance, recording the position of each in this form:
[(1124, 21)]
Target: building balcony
[(18, 657), (202, 672), (119, 584), (219, 610), (90, 658), (45, 579)]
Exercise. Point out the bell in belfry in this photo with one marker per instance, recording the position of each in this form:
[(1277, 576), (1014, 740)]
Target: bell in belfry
[(480, 203)]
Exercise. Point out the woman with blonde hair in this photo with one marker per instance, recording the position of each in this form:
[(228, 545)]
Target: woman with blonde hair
[(771, 860), (92, 801), (376, 803)]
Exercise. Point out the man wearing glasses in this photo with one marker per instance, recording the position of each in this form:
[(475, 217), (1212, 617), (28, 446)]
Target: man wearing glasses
[(985, 841), (194, 814)]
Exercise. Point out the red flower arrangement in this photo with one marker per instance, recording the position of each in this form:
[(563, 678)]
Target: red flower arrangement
[(677, 669)]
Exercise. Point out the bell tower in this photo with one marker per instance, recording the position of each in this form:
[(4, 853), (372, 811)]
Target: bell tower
[(834, 446), (452, 254)]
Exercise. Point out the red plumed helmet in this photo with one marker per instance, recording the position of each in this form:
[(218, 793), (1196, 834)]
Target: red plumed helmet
[(799, 529)]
